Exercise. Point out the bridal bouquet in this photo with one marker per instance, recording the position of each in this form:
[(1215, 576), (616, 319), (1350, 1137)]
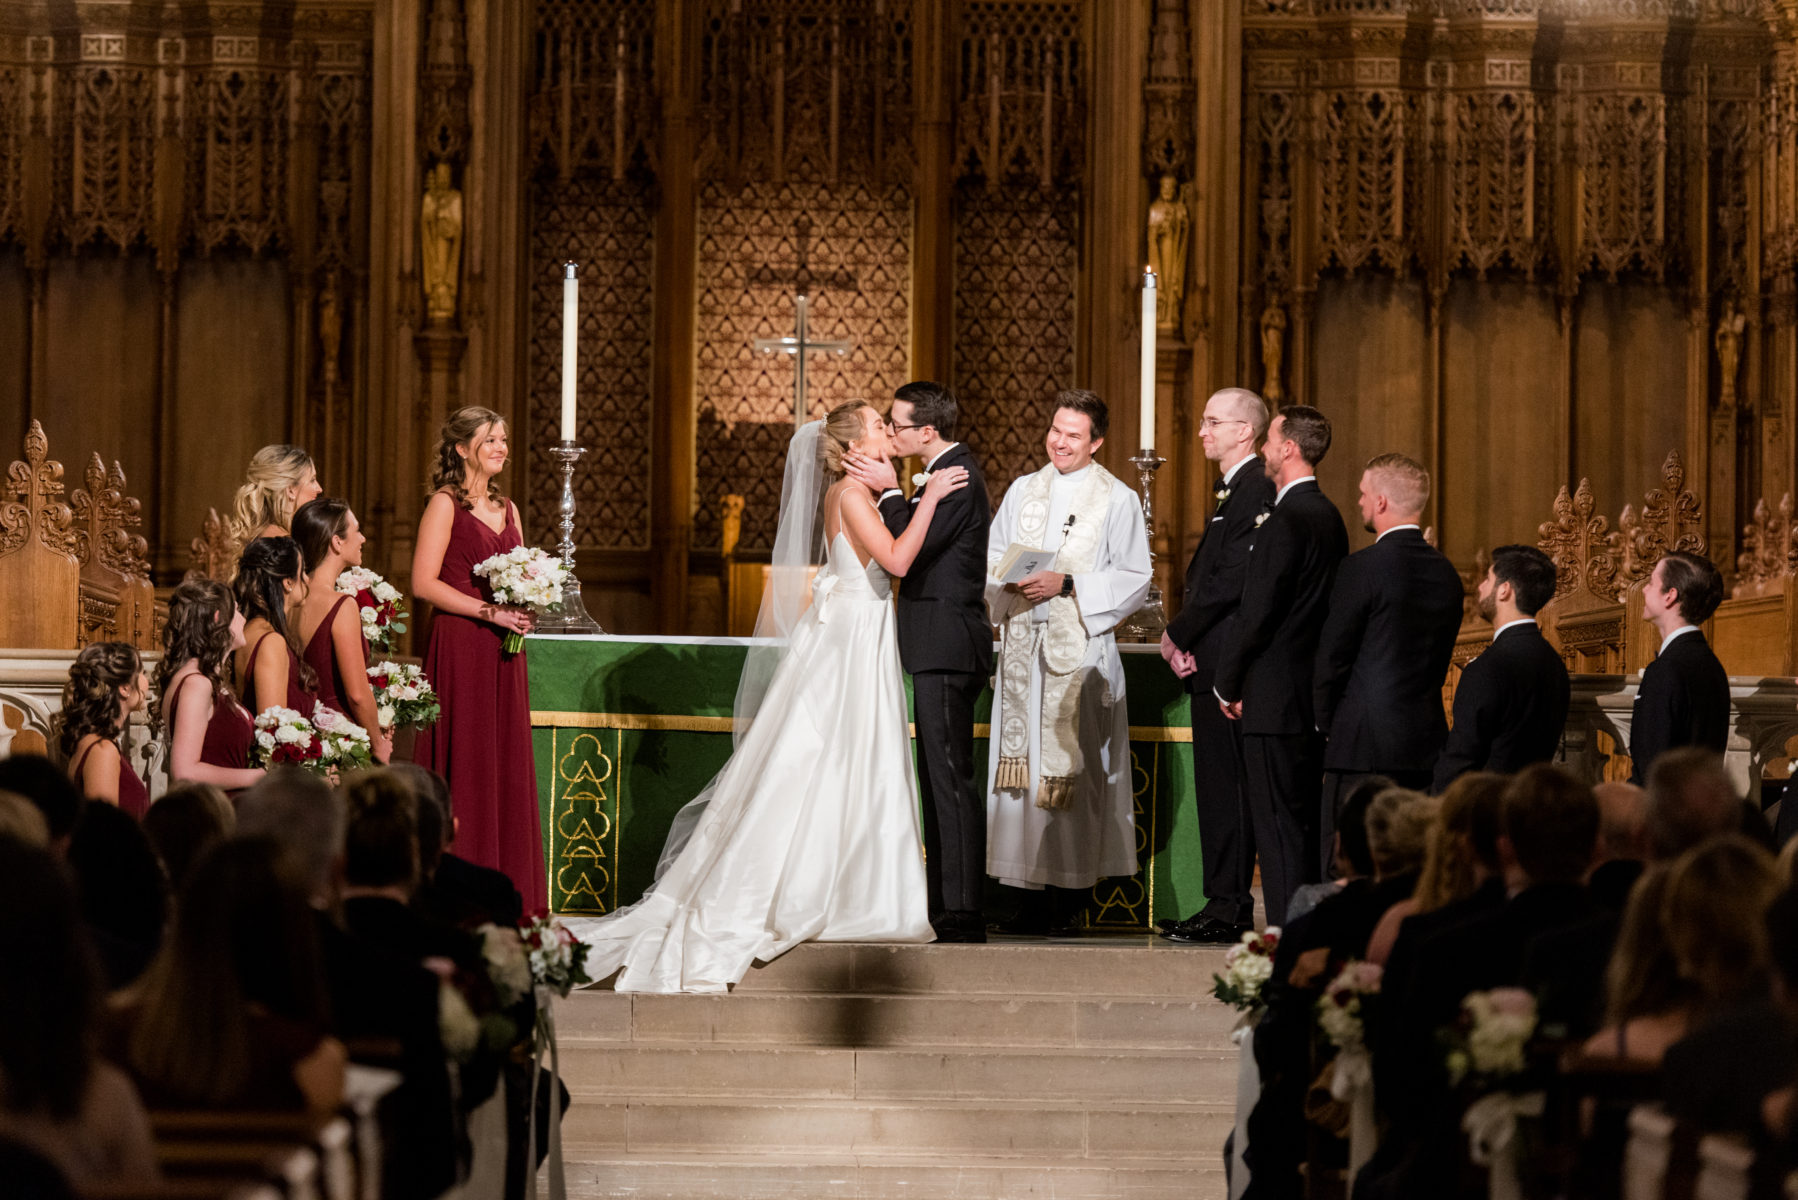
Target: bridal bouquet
[(523, 575), (1247, 966), (378, 604), (1488, 1043), (328, 743), (1339, 1009), (404, 698)]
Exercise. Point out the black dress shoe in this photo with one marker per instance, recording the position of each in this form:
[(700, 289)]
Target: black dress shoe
[(961, 927), (1207, 931)]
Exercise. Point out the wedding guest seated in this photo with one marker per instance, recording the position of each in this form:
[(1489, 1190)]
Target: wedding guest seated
[(1779, 1109), (57, 1097), (50, 792), (1308, 896), (1743, 1044), (187, 821), (1459, 860), (1648, 1006), (1690, 798), (280, 479), (232, 1013), (374, 996), (452, 890), (21, 821), (1623, 849), (270, 671), (106, 685), (124, 900)]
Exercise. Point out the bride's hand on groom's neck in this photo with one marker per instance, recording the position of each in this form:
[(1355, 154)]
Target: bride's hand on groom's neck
[(876, 474)]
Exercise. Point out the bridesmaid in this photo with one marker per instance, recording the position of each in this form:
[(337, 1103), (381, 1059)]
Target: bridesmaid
[(106, 685), (330, 629), (270, 582), (280, 479), (208, 731), (482, 743)]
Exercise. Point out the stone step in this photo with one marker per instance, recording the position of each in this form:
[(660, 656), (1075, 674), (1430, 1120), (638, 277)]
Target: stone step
[(751, 1018), (831, 1177), (1024, 967), (958, 1131), (1093, 1077)]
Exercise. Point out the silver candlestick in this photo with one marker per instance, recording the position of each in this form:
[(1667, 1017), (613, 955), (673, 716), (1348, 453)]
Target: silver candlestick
[(1147, 623), (572, 617)]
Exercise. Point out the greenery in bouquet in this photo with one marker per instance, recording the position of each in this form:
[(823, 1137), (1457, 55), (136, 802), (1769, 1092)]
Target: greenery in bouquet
[(524, 576), (1488, 1046), (329, 743), (404, 698), (1342, 1009), (379, 605), (558, 959), (1247, 967)]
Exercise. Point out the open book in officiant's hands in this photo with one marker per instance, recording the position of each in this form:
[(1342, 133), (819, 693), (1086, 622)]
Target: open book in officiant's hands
[(1021, 562)]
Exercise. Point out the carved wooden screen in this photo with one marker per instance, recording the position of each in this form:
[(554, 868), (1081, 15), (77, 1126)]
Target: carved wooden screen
[(591, 113), (1020, 152), (806, 161)]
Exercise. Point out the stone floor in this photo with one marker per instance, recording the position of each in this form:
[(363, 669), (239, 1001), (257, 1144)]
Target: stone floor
[(1079, 1068)]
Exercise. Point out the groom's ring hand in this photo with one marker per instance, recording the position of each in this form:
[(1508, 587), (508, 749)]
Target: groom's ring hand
[(874, 473)]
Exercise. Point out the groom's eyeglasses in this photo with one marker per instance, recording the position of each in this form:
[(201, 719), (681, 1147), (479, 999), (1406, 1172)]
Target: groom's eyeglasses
[(896, 427)]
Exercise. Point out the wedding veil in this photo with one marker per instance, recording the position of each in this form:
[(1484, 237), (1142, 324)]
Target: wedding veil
[(798, 549)]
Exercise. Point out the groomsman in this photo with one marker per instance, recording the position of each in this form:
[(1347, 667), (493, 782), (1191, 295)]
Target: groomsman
[(1511, 703), (1235, 419), (1264, 667), (1684, 696), (1394, 615)]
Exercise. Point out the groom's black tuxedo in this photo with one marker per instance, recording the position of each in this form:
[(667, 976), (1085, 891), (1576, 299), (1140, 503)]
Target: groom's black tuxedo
[(946, 645)]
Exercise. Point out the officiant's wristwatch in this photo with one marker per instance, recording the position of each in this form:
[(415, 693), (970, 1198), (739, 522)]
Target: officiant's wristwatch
[(1067, 585)]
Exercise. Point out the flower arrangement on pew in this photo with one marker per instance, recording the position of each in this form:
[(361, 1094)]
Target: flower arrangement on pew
[(404, 698), (378, 604), (329, 743), (1247, 967), (525, 576), (1488, 1056), (1342, 1017)]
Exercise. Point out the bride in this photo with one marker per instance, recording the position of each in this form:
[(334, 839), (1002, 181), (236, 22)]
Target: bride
[(810, 831)]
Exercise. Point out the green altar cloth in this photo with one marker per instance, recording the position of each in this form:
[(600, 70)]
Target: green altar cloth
[(626, 730)]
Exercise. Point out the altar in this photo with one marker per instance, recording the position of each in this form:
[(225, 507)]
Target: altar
[(626, 730)]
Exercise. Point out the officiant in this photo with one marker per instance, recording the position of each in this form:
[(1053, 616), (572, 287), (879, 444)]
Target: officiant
[(1059, 811)]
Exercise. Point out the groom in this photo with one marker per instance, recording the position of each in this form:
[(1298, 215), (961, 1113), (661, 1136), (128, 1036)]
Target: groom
[(946, 646)]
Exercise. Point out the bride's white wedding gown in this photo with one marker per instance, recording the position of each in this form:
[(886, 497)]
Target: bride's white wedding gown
[(811, 832)]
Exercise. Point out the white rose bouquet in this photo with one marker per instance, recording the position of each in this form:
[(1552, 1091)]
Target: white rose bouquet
[(1339, 1009), (378, 604), (523, 576), (404, 698), (558, 958), (1247, 967), (1495, 1029), (328, 743)]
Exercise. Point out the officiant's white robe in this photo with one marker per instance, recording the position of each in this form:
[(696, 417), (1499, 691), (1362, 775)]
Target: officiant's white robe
[(1095, 836)]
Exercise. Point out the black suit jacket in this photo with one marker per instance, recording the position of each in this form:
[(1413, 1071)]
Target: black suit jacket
[(1394, 615), (1683, 701), (465, 894), (1510, 708), (1214, 578), (1267, 657), (943, 624)]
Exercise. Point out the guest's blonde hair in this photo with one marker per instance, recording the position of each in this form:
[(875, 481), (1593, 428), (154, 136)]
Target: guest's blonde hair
[(1449, 860), (1398, 823), (842, 427), (21, 821), (263, 500), (1715, 913)]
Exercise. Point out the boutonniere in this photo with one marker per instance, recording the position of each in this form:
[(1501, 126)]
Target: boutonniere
[(1262, 516), (920, 479), (1222, 492)]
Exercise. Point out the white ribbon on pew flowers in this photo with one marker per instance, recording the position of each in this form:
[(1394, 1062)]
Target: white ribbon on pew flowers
[(1341, 1015), (1491, 1126), (558, 965)]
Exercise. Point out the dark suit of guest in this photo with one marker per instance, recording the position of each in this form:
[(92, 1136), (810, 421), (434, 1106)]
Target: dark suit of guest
[(1683, 701), (1394, 614), (1214, 581), (1510, 707), (946, 645), (1266, 664)]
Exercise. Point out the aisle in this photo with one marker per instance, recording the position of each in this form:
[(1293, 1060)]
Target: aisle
[(1093, 1067)]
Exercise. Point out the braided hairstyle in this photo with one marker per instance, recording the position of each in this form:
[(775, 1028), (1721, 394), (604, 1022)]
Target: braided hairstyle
[(451, 472), (90, 699), (199, 628), (267, 564)]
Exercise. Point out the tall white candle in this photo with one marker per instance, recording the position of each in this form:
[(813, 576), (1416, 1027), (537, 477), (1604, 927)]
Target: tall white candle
[(1148, 358), (571, 319)]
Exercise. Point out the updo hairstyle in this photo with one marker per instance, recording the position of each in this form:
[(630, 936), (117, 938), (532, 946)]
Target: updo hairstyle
[(842, 426), (90, 698)]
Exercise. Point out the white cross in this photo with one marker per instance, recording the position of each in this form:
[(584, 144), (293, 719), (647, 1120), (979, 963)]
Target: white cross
[(800, 344)]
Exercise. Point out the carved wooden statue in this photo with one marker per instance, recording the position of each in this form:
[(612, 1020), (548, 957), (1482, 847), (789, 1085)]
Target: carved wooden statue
[(1170, 229), (440, 230), (1273, 348), (213, 553), (1729, 353)]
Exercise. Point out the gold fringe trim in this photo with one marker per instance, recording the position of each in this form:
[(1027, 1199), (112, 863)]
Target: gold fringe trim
[(1055, 793), (1013, 774)]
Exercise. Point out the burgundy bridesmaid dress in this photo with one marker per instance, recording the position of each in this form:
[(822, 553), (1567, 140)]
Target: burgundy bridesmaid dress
[(321, 656), (482, 743), (134, 797), (298, 698), (229, 735)]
